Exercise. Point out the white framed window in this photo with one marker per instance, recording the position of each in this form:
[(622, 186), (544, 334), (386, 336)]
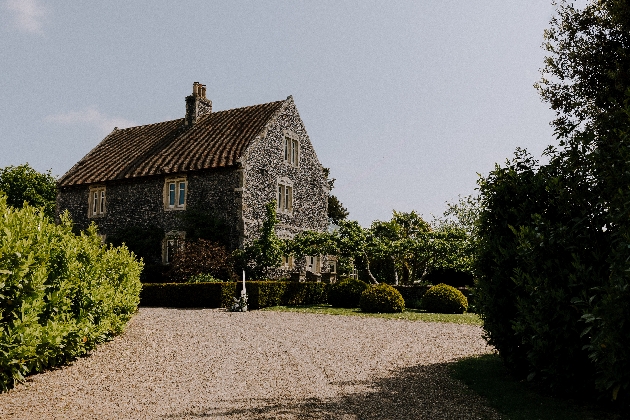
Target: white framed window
[(332, 267), (287, 262), (291, 149), (171, 244), (175, 190), (314, 263), (96, 201), (284, 199)]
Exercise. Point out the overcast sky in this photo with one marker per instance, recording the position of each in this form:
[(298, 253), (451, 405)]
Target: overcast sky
[(405, 101)]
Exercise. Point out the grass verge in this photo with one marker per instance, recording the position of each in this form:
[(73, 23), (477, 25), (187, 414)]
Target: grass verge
[(409, 314), (486, 376)]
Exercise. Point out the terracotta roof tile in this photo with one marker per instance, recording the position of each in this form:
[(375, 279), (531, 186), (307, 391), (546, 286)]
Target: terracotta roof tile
[(217, 140)]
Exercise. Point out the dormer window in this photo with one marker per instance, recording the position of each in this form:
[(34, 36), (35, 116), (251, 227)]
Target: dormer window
[(291, 149), (96, 201), (175, 193)]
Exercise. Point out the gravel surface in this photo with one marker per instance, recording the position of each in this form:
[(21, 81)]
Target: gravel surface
[(207, 363)]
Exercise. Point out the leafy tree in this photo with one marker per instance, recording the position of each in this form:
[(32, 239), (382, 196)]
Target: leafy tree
[(24, 184), (200, 256), (336, 210), (265, 253), (203, 224), (416, 248), (554, 252), (350, 243)]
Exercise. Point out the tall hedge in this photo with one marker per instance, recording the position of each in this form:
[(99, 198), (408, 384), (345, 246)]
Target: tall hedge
[(60, 294), (554, 239)]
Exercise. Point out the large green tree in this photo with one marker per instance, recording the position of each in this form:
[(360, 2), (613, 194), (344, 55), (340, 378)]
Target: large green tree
[(554, 239), (24, 184), (336, 211)]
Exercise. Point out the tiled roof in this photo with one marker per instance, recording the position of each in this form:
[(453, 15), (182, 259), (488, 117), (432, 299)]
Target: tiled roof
[(216, 140)]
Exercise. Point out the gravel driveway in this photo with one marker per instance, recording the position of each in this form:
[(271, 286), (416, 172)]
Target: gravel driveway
[(207, 363)]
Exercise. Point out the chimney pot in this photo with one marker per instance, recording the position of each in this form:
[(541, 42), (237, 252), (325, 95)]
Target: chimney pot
[(197, 104)]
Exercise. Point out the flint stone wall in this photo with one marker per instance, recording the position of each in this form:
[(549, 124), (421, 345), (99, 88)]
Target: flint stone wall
[(238, 194)]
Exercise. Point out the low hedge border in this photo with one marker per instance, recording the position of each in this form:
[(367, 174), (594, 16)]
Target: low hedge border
[(188, 295), (261, 294)]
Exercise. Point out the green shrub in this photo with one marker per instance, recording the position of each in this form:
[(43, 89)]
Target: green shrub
[(60, 294), (188, 295), (381, 298), (444, 299), (346, 293), (203, 278), (262, 294), (412, 294)]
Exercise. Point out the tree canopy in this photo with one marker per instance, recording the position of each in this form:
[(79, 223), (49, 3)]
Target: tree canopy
[(24, 184), (554, 239)]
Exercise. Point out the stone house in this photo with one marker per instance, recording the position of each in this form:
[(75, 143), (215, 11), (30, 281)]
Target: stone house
[(229, 164)]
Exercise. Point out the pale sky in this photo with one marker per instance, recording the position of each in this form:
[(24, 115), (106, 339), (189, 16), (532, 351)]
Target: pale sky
[(405, 101)]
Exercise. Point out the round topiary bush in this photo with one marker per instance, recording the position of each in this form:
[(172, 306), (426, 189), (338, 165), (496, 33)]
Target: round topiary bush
[(381, 298), (346, 293), (444, 299)]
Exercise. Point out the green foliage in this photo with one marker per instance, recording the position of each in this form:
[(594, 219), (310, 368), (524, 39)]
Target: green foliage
[(145, 243), (346, 293), (262, 294), (202, 224), (188, 295), (60, 294), (414, 249), (24, 184), (203, 278), (444, 299), (412, 294), (200, 257), (336, 210), (265, 253), (381, 298), (554, 255)]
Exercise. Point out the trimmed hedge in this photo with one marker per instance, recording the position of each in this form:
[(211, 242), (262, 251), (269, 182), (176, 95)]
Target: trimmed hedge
[(261, 294), (346, 293), (444, 299), (60, 294), (188, 295), (413, 295), (381, 298)]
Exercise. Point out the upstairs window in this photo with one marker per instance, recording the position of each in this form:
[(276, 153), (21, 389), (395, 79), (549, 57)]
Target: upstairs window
[(285, 198), (96, 201), (291, 150), (175, 193)]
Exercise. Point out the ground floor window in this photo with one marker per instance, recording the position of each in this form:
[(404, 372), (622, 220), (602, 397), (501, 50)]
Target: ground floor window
[(171, 245), (287, 262), (314, 263)]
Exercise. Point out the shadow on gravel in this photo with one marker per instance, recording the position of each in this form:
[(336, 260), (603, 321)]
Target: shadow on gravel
[(420, 392)]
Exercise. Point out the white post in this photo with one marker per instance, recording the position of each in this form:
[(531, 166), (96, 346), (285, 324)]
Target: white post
[(243, 292)]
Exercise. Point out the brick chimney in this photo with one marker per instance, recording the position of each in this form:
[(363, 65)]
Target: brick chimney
[(197, 104)]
